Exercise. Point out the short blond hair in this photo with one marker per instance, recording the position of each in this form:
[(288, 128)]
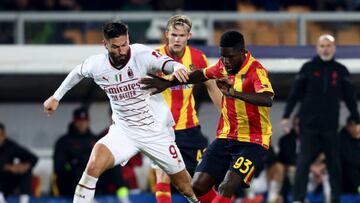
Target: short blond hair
[(179, 20)]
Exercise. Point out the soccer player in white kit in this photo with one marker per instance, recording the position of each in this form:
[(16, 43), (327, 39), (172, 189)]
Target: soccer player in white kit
[(141, 122)]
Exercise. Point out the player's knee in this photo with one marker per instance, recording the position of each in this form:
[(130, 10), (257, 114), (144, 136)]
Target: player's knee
[(162, 177)]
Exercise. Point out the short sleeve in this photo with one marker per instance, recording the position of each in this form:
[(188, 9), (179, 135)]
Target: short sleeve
[(216, 71), (261, 81), (151, 59)]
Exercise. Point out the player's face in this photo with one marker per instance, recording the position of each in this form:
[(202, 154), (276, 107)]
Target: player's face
[(82, 125), (351, 127), (118, 49), (326, 49), (232, 58), (177, 38)]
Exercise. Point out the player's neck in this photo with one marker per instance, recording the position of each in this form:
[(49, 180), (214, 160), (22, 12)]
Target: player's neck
[(175, 55)]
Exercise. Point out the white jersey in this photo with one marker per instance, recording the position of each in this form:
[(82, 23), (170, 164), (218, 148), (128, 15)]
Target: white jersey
[(132, 107)]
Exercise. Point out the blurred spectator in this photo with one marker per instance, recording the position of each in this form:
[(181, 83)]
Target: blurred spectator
[(289, 147), (16, 164), (320, 85), (350, 149), (72, 151)]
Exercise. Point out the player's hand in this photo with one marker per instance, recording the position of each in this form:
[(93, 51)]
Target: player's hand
[(225, 86), (154, 82), (179, 73), (50, 105), (284, 123)]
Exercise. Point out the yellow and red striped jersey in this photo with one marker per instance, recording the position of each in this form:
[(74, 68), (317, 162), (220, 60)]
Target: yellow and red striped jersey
[(180, 98), (241, 120)]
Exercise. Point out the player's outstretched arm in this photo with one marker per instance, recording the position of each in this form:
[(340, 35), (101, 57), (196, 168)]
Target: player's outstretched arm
[(161, 84), (74, 77), (50, 105)]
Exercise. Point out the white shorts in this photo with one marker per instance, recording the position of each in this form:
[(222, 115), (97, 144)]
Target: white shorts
[(160, 147)]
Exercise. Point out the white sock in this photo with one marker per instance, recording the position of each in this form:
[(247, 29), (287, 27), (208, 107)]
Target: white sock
[(273, 190), (326, 188), (85, 190), (24, 198), (2, 198)]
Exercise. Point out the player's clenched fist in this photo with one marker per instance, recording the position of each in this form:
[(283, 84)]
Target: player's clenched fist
[(225, 86), (50, 105)]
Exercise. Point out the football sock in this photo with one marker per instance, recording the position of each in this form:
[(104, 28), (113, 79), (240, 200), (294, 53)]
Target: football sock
[(208, 197), (221, 199), (85, 190), (163, 193)]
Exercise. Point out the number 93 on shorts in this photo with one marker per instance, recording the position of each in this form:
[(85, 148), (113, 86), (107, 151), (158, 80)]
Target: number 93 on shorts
[(248, 162)]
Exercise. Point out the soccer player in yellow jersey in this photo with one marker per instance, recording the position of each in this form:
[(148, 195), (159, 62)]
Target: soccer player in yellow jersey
[(180, 100), (244, 130)]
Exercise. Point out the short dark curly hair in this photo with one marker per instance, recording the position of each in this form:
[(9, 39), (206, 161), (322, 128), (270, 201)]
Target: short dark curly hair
[(233, 39), (114, 29)]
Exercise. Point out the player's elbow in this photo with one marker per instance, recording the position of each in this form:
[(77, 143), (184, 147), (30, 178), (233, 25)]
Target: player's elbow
[(268, 102)]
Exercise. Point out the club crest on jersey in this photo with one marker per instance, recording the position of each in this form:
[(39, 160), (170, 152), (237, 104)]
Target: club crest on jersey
[(130, 73), (191, 67), (118, 77)]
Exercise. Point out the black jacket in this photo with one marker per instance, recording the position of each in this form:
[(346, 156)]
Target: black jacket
[(71, 154), (10, 150), (320, 86), (350, 150)]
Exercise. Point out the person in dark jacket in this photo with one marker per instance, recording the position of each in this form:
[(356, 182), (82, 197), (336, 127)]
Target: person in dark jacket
[(320, 86), (72, 151), (16, 164), (350, 150)]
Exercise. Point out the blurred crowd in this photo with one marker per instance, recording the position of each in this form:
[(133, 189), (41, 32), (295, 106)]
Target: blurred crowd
[(184, 5), (279, 32)]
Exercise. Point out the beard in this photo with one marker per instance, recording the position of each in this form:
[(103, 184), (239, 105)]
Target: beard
[(326, 58), (118, 60)]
